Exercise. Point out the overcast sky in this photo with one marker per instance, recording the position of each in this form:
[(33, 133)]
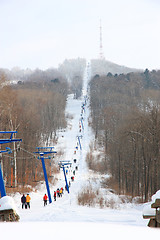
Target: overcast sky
[(42, 33)]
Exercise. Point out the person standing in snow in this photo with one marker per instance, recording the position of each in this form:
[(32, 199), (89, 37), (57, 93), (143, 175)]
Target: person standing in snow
[(54, 195), (45, 200), (23, 201), (28, 199), (62, 189), (60, 192)]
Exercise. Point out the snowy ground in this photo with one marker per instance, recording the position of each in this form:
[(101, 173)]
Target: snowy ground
[(65, 219)]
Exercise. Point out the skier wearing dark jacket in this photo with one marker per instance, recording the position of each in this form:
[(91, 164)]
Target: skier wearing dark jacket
[(23, 200), (54, 195)]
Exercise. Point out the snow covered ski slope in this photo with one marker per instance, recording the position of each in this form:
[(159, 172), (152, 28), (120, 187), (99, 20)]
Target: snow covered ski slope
[(64, 218)]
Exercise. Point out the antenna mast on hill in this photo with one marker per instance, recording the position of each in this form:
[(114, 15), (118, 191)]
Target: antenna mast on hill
[(101, 46)]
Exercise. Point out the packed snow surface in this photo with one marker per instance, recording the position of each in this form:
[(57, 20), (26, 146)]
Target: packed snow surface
[(64, 218)]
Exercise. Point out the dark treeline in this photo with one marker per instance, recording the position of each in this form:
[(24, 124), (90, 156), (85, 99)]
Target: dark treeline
[(36, 109), (125, 113)]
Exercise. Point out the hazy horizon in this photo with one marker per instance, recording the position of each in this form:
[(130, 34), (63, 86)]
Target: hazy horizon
[(43, 33)]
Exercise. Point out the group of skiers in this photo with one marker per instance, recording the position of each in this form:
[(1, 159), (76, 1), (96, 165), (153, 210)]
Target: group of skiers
[(25, 200), (57, 193)]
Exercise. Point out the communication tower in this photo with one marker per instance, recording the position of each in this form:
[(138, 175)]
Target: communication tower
[(101, 46)]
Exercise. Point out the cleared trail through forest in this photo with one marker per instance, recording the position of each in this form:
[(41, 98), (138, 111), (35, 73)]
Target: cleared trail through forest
[(69, 144), (66, 208), (65, 219)]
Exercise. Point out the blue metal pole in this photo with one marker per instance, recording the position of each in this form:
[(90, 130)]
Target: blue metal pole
[(46, 179), (79, 143), (85, 99), (82, 124), (2, 186), (66, 179)]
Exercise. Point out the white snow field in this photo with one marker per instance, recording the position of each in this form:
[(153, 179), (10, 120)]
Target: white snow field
[(64, 218)]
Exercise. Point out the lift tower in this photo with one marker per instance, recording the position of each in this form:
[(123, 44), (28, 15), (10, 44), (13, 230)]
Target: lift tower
[(45, 151), (101, 55), (2, 141)]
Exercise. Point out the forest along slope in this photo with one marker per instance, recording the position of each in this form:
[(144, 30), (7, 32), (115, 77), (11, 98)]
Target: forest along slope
[(66, 208)]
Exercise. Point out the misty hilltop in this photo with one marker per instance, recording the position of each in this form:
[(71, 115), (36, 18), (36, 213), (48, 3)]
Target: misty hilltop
[(103, 67), (69, 69)]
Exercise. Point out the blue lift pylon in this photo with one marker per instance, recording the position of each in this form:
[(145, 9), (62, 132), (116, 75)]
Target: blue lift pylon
[(2, 141), (45, 151), (63, 164), (79, 141), (82, 123)]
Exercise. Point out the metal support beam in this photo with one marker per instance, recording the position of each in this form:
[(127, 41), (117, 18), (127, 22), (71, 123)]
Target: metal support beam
[(62, 164), (67, 187), (82, 124), (2, 186), (79, 142), (43, 151), (46, 178), (8, 140), (2, 141)]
